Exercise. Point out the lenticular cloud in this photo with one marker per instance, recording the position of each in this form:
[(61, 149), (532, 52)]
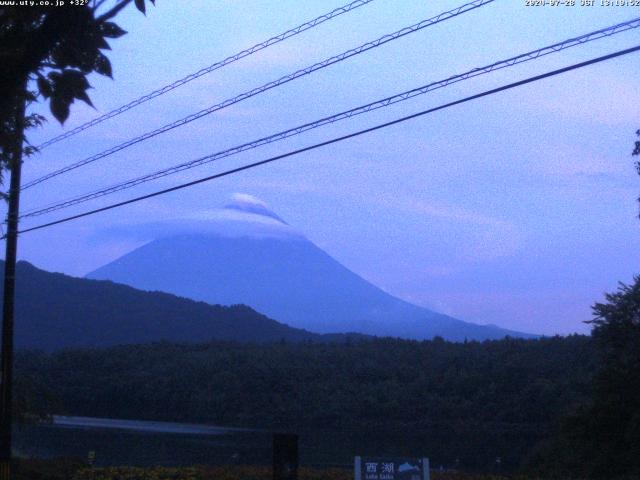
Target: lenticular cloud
[(245, 215)]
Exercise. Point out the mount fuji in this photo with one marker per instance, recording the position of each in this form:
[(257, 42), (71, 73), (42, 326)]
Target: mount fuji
[(246, 254)]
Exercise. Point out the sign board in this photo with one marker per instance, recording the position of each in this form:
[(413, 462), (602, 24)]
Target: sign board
[(391, 468)]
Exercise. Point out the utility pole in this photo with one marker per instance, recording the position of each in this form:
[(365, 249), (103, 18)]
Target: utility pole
[(15, 165)]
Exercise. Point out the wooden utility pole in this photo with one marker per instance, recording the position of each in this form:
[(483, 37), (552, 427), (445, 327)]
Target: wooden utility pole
[(15, 165)]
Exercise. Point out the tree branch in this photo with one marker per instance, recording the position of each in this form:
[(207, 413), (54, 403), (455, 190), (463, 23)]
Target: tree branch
[(114, 11)]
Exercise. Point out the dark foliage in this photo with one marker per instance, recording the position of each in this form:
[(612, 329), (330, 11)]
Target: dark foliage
[(468, 401), (602, 438), (32, 402), (48, 52), (636, 151), (53, 469)]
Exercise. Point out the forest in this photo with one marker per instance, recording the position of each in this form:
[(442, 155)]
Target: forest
[(465, 403)]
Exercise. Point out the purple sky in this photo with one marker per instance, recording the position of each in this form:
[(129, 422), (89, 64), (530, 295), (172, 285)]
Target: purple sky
[(518, 209)]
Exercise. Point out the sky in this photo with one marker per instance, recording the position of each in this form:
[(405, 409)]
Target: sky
[(518, 209)]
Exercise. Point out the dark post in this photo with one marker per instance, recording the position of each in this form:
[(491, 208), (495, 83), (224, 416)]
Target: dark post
[(285, 456), (9, 293)]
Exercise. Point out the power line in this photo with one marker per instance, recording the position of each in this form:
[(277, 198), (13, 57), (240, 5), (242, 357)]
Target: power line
[(268, 86), (223, 63), (557, 47), (339, 139)]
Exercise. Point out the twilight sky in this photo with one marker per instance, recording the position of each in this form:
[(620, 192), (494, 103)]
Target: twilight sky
[(518, 209)]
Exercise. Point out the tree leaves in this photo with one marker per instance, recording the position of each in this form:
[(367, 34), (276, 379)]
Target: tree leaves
[(111, 30), (103, 65), (74, 56), (140, 5), (57, 48), (602, 439), (44, 86), (33, 120), (65, 88), (59, 108)]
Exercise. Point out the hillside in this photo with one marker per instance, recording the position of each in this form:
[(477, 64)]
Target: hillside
[(55, 311)]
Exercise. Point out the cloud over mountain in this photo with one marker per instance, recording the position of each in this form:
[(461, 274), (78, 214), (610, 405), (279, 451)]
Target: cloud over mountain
[(243, 216)]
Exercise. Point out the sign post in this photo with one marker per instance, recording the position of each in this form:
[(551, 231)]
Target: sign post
[(366, 468), (285, 456)]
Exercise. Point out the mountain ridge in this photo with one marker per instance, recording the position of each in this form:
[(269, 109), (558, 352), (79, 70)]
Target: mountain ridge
[(287, 278), (55, 311)]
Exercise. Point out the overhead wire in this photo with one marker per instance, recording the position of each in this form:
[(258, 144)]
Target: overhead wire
[(531, 55), (485, 93), (215, 66), (268, 86)]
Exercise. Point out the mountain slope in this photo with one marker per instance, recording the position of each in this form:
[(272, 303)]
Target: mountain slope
[(55, 311), (281, 274)]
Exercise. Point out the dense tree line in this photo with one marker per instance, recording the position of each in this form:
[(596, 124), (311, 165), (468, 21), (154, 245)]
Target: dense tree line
[(463, 402)]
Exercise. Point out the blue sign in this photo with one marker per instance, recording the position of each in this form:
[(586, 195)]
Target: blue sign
[(391, 468)]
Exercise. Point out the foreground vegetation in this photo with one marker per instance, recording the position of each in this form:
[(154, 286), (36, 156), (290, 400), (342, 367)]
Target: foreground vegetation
[(72, 470)]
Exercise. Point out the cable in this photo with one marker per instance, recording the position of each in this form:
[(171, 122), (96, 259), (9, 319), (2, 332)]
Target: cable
[(268, 86), (231, 59), (338, 139), (557, 47), (338, 58)]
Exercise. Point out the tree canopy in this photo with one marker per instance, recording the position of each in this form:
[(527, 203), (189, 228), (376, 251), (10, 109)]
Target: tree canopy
[(47, 52), (601, 439)]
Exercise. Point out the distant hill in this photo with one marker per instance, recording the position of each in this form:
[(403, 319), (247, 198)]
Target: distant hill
[(55, 311), (249, 255)]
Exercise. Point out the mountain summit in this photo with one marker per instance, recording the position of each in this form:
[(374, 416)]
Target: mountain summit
[(246, 254)]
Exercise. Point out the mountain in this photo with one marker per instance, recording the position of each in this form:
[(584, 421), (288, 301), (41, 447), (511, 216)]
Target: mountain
[(55, 311), (247, 254)]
